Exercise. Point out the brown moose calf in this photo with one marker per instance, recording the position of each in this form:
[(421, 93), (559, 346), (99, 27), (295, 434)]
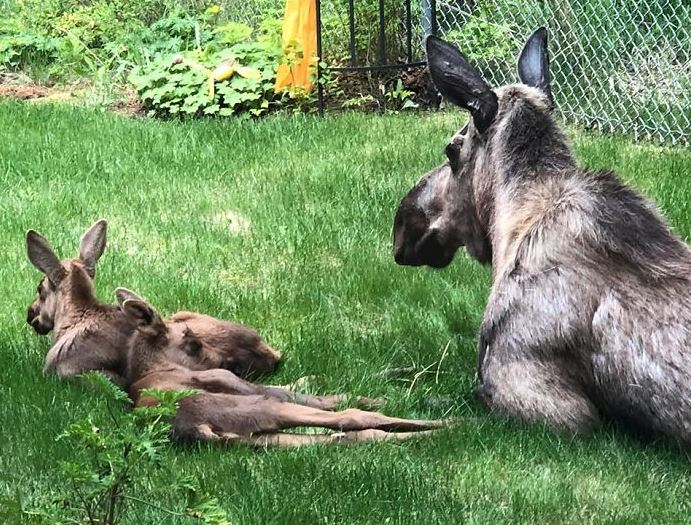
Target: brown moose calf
[(230, 410), (91, 335)]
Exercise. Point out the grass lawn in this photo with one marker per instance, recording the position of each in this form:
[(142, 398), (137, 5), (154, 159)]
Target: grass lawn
[(285, 224)]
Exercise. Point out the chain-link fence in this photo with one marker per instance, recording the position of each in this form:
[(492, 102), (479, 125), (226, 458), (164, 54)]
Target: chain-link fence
[(617, 65)]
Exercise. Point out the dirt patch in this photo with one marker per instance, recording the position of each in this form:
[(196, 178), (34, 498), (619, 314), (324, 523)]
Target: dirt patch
[(20, 87), (24, 92), (368, 91), (129, 105)]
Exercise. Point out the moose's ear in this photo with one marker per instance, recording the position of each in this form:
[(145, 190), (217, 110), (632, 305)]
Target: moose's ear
[(123, 294), (92, 245), (453, 153), (191, 343), (533, 62), (43, 257), (460, 82), (453, 149), (143, 316)]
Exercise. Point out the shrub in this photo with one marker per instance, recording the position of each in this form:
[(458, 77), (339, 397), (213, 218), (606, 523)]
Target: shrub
[(74, 38), (23, 50), (168, 89), (111, 460)]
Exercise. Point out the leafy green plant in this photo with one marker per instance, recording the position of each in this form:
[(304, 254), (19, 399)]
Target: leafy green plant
[(62, 40), (169, 89), (21, 48), (112, 459), (400, 98), (483, 38)]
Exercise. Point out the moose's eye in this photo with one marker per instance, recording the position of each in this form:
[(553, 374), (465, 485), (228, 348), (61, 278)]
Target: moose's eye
[(453, 152)]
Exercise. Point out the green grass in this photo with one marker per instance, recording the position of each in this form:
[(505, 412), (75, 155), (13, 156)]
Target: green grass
[(310, 266)]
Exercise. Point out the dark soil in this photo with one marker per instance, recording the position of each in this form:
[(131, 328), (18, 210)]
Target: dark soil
[(368, 91)]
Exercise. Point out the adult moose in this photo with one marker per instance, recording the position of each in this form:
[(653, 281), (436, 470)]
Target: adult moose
[(589, 315)]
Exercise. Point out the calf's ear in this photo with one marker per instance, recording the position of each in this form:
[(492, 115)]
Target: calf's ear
[(143, 316), (123, 294), (43, 257), (92, 245)]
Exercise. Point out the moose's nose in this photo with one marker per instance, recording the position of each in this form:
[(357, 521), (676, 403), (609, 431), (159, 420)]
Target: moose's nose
[(398, 255), (31, 314), (404, 257)]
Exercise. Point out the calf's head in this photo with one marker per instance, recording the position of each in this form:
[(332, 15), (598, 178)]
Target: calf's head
[(158, 341), (453, 205), (55, 286)]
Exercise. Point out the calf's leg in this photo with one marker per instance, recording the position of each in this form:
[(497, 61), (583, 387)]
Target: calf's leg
[(224, 381), (249, 415), (290, 440), (279, 415)]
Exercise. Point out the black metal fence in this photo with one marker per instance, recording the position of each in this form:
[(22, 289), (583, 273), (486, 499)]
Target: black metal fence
[(411, 25)]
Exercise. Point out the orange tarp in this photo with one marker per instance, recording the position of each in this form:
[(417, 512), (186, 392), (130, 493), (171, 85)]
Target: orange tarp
[(299, 45)]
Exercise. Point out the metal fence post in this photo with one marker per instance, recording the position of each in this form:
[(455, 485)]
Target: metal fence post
[(320, 87), (426, 17)]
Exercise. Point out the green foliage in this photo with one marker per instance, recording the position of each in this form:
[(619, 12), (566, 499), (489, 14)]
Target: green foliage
[(169, 90), (481, 37), (20, 48), (400, 98), (66, 39), (112, 460), (109, 41)]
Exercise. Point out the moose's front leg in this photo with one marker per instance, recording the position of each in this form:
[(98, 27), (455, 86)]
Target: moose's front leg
[(533, 391), (533, 351)]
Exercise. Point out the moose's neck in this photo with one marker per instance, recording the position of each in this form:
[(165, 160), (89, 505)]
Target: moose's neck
[(529, 143), (77, 301), (529, 156), (145, 355)]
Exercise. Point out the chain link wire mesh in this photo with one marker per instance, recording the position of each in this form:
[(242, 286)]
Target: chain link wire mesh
[(617, 65)]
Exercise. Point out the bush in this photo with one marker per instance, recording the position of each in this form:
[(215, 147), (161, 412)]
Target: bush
[(117, 40), (23, 50), (61, 40), (168, 89), (113, 462)]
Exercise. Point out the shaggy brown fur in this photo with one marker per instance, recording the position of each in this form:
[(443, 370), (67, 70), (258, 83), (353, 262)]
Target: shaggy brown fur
[(90, 335)]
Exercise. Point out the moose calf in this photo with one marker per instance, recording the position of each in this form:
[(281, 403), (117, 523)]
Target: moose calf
[(90, 335), (590, 309), (229, 410)]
